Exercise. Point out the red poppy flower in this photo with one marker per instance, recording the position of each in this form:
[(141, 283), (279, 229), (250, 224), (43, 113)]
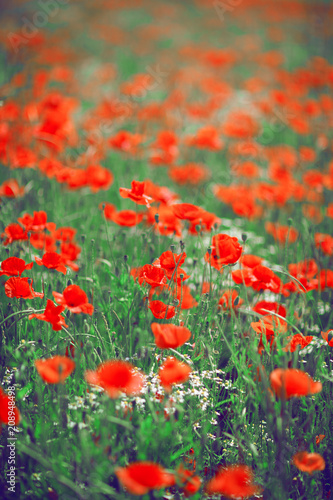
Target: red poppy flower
[(167, 140), (204, 222), (42, 241), (224, 250), (11, 189), (36, 222), (125, 141), (8, 410), (270, 326), (250, 260), (50, 166), (247, 169), (136, 194), (13, 266), (242, 276), (52, 314), (167, 224), (302, 287), (14, 232), (263, 306), (282, 233), (186, 211), (297, 340), (328, 337), (64, 234), (127, 218), (196, 216), (74, 299), (308, 462), (99, 177), (240, 125), (69, 252), (234, 481), (192, 174), (263, 278), (108, 209), (152, 275), (21, 288), (188, 482), (230, 300), (52, 260), (319, 439), (168, 261), (169, 335), (160, 194), (161, 310), (116, 377), (140, 477), (324, 242), (186, 299), (293, 383), (55, 370), (304, 269), (207, 137), (173, 372)]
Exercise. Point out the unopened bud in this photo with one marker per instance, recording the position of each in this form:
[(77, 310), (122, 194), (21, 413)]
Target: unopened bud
[(157, 218), (244, 237)]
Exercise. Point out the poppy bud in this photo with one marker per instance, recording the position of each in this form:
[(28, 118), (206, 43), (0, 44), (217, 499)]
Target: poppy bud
[(125, 258), (182, 245), (209, 250), (157, 218), (83, 238), (172, 247), (88, 347), (69, 282), (244, 237), (290, 221)]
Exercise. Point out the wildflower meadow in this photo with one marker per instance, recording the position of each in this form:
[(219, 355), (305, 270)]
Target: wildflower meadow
[(166, 239)]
